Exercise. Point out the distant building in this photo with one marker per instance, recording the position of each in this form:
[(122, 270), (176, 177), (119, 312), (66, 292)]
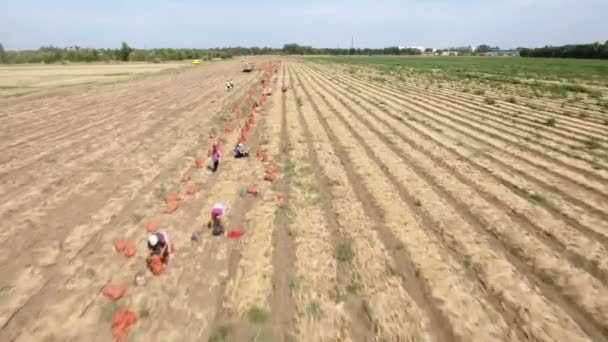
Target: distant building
[(501, 53), (421, 48)]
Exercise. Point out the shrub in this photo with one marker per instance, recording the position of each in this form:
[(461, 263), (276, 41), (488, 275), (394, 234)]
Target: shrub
[(344, 252), (479, 92), (257, 315), (489, 100), (550, 122), (592, 144), (511, 99)]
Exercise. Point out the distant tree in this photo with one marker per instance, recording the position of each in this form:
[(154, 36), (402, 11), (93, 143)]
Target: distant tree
[(2, 54), (427, 50), (484, 48), (125, 51)]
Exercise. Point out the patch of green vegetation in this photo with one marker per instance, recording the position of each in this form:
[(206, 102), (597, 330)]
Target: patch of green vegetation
[(592, 144), (344, 252), (221, 334), (257, 315), (479, 92), (532, 105), (538, 198), (353, 288), (550, 122), (314, 309), (511, 99), (299, 102), (6, 288), (489, 100), (294, 285)]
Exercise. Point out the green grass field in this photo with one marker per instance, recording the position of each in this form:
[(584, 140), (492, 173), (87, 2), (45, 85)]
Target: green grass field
[(498, 66), (554, 76)]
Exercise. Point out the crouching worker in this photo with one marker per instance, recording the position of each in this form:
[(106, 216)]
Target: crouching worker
[(240, 151), (159, 245), (217, 212)]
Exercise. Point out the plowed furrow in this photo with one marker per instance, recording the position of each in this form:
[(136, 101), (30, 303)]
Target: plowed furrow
[(525, 113), (475, 211), (54, 125), (92, 130), (89, 183), (394, 313), (318, 279), (586, 253), (79, 159), (431, 275), (588, 201), (546, 156)]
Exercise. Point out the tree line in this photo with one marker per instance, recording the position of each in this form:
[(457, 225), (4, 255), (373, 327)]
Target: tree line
[(52, 54), (588, 51)]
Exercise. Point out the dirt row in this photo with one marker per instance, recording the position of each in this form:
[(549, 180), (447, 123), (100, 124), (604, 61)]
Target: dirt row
[(547, 292), (579, 161), (577, 151), (429, 135), (81, 281), (579, 204), (582, 111)]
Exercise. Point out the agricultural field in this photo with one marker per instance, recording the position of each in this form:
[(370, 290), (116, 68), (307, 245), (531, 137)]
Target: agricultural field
[(27, 78), (415, 199)]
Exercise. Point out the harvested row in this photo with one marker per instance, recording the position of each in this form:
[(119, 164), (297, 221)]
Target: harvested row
[(394, 313), (578, 245), (446, 282), (283, 258), (475, 234), (94, 187), (318, 316), (553, 154), (84, 236), (530, 115), (186, 217), (28, 116), (124, 132), (593, 217), (593, 226), (249, 290), (89, 118)]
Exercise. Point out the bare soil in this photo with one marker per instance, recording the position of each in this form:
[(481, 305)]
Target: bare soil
[(401, 212)]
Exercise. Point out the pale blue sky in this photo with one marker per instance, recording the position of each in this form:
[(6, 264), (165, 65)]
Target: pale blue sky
[(26, 24)]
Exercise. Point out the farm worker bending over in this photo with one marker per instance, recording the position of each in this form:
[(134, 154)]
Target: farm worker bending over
[(159, 244), (217, 212), (240, 151), (215, 156)]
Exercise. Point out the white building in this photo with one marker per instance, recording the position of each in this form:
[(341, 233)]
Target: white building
[(421, 48)]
